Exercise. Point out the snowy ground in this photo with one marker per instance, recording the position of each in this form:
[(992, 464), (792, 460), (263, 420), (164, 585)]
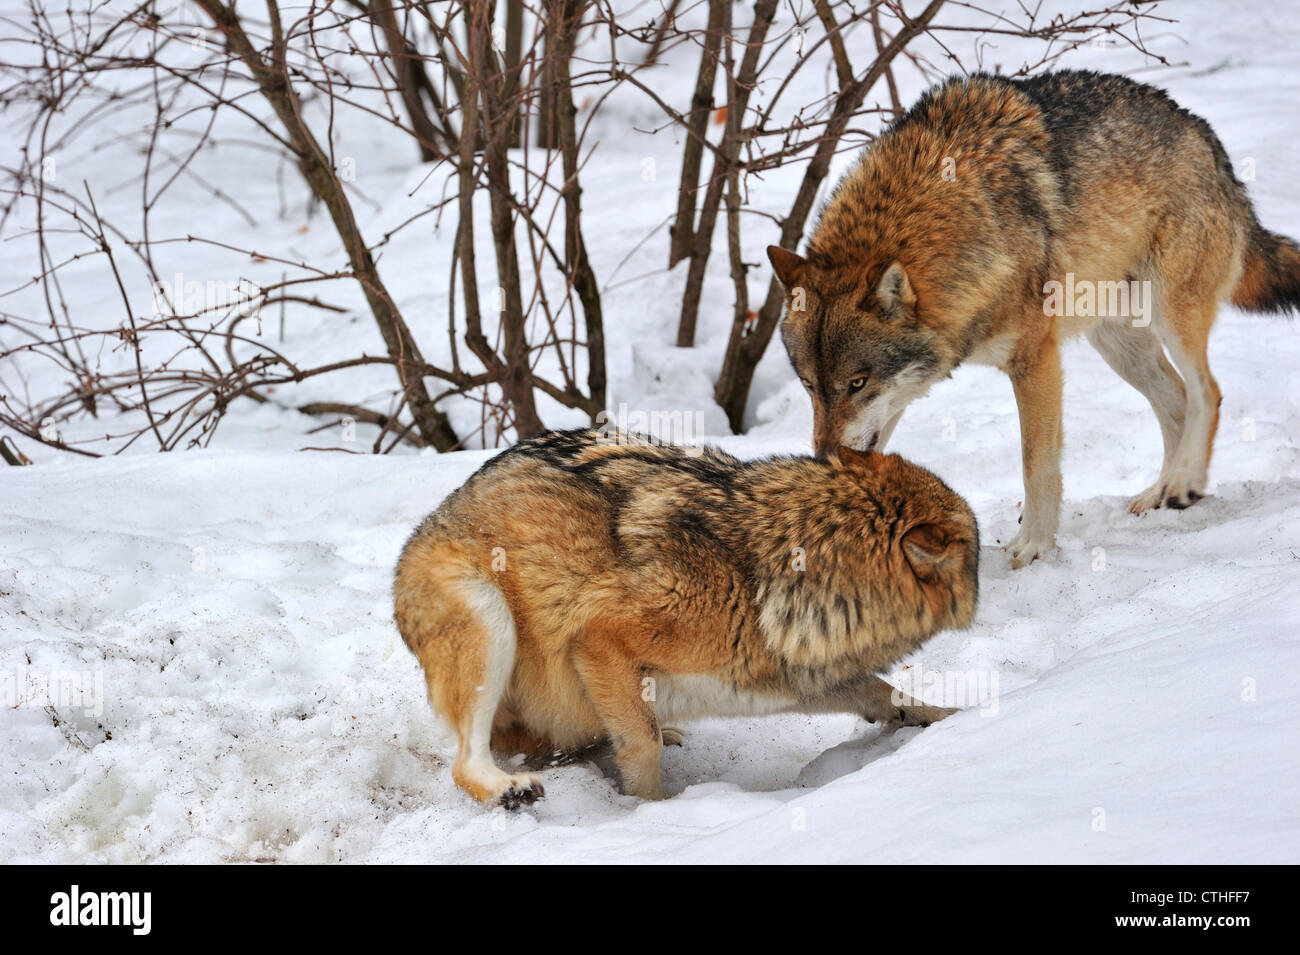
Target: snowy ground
[(249, 699)]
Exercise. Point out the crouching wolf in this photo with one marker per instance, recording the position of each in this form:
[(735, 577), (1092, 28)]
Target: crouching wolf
[(582, 587), (956, 233)]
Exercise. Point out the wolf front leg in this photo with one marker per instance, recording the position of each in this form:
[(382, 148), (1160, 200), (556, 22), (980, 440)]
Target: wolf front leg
[(875, 701), (1036, 380), (614, 685)]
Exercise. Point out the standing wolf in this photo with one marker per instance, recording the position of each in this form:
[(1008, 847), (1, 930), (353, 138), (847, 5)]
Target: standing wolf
[(953, 237), (579, 589)]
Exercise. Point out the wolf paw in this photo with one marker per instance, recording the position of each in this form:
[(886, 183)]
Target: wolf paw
[(649, 791), (1175, 494), (1181, 497), (522, 791), (899, 709), (1026, 547), (1148, 500), (485, 782), (920, 714), (671, 736)]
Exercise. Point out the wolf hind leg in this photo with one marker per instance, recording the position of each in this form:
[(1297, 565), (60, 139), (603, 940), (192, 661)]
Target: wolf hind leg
[(1198, 262), (1186, 340), (1136, 356), (468, 689)]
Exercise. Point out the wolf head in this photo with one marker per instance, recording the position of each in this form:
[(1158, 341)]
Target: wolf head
[(858, 347), (936, 531), (888, 556)]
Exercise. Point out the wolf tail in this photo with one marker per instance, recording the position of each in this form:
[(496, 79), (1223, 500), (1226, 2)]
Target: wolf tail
[(1270, 278)]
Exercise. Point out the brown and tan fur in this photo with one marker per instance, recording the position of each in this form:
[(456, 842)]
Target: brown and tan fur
[(939, 246), (585, 587)]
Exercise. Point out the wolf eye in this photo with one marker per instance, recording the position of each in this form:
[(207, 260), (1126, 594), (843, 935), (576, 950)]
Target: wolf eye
[(857, 384)]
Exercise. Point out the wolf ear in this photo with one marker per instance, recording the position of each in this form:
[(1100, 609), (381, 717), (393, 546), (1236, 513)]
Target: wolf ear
[(789, 266), (895, 290), (869, 461), (929, 548)]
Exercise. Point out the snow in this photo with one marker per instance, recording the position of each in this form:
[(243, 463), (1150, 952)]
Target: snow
[(255, 702)]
